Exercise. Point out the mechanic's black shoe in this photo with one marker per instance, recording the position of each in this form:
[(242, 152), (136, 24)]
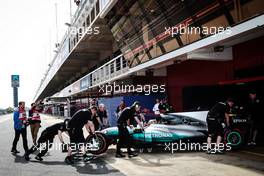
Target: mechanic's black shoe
[(130, 155), (251, 143), (15, 151), (26, 157), (39, 158), (119, 155), (69, 160)]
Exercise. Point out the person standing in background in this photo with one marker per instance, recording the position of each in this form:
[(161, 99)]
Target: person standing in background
[(103, 114), (254, 110), (20, 126), (164, 107), (156, 107), (93, 102), (34, 121), (120, 108)]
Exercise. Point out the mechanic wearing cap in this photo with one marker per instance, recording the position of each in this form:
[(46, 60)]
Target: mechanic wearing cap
[(80, 119), (253, 108), (46, 138), (128, 114), (216, 116)]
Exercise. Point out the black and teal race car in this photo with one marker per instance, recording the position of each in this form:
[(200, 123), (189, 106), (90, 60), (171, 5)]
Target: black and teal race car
[(174, 127)]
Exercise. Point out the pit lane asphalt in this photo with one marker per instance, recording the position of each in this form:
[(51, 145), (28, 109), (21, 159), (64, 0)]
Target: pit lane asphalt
[(53, 165), (248, 162)]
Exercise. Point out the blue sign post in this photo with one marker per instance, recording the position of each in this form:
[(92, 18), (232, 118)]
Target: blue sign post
[(15, 85)]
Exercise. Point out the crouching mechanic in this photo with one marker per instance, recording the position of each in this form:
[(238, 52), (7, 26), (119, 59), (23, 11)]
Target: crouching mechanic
[(46, 138), (80, 119), (127, 115), (215, 118)]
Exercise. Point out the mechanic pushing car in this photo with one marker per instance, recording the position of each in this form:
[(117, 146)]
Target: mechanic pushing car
[(46, 138), (128, 114), (80, 119), (216, 116)]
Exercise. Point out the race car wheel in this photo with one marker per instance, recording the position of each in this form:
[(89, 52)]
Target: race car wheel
[(234, 139), (98, 143)]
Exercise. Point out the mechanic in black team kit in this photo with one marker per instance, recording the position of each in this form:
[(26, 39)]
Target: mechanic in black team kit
[(46, 138), (80, 119), (216, 116), (254, 109), (128, 114)]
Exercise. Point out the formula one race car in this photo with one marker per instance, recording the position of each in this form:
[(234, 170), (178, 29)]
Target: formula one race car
[(174, 127)]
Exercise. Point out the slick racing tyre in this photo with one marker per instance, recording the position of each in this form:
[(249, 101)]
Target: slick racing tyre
[(233, 138), (97, 143)]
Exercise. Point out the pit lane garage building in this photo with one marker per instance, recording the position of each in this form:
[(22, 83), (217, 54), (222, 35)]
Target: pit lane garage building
[(200, 50)]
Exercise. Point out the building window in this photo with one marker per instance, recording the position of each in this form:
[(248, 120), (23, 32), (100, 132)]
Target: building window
[(97, 7), (88, 20), (112, 68), (92, 15)]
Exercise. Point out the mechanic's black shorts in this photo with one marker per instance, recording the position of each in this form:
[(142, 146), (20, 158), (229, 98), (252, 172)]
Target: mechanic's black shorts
[(76, 136), (214, 128)]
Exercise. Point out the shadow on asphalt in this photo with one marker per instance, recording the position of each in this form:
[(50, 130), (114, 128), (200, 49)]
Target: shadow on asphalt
[(96, 166), (154, 159), (137, 160), (19, 159)]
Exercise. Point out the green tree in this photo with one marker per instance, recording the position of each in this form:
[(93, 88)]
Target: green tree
[(9, 110)]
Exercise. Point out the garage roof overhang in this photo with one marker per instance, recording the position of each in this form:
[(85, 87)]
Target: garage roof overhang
[(85, 55)]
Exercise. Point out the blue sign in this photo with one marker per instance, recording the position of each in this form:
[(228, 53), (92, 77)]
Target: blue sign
[(15, 80)]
